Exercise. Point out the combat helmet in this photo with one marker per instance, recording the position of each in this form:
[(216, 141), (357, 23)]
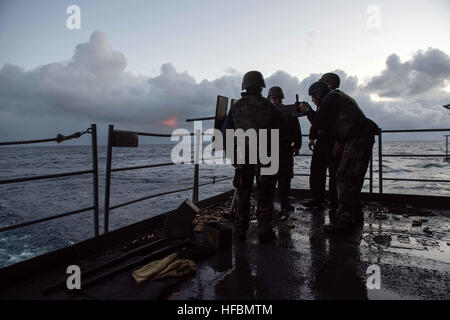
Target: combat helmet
[(332, 79), (276, 91), (318, 87), (253, 79)]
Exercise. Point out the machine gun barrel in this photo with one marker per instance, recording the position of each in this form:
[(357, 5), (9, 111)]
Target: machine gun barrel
[(200, 119)]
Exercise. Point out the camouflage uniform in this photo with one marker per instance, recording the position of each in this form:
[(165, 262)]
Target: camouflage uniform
[(355, 133), (350, 177), (253, 112), (321, 160), (290, 137)]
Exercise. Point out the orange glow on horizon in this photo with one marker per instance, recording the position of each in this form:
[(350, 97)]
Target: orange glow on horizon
[(171, 122)]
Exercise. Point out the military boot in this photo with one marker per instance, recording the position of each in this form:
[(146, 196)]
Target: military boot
[(313, 205), (241, 227), (266, 233), (332, 216), (265, 225), (241, 233), (286, 207), (357, 215)]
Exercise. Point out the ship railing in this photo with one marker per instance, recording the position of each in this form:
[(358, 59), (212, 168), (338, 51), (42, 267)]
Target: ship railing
[(381, 155), (92, 130), (124, 138), (120, 138)]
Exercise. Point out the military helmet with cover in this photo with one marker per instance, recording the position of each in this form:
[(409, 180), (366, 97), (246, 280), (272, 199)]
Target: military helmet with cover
[(275, 91), (332, 79), (318, 87), (253, 79)]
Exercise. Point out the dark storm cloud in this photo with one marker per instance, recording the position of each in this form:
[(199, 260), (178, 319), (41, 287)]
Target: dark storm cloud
[(93, 87), (426, 71)]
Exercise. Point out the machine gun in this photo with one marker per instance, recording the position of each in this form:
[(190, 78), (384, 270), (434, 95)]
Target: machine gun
[(294, 109), (221, 113), (222, 110)]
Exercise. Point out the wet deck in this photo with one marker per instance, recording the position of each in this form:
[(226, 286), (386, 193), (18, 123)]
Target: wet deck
[(300, 263)]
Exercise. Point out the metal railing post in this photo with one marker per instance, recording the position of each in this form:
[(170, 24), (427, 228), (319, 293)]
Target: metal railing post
[(108, 176), (380, 161), (446, 148), (95, 175), (196, 165), (195, 190), (371, 173)]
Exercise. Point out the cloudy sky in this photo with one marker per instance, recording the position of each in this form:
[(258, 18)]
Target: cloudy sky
[(138, 64)]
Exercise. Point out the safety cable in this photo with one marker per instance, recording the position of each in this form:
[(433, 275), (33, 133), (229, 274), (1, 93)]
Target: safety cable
[(59, 138)]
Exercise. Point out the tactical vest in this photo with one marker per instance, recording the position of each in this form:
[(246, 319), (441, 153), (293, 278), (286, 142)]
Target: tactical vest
[(349, 115), (348, 101), (369, 127), (251, 112)]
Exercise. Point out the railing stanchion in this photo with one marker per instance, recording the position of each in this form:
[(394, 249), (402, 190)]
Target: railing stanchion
[(446, 149), (195, 190), (95, 175), (371, 173), (196, 165), (108, 177), (380, 161)]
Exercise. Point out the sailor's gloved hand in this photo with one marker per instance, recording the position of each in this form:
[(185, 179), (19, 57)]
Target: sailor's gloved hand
[(295, 152), (304, 106), (311, 144)]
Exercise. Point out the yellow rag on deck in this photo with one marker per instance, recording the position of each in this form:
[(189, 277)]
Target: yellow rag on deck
[(170, 266)]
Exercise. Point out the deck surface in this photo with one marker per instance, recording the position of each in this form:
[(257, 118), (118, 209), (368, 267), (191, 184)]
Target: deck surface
[(300, 263)]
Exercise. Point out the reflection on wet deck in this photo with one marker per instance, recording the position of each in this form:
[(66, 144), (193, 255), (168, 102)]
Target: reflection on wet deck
[(301, 263), (410, 245)]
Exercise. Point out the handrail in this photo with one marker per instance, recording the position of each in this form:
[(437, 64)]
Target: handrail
[(143, 167), (49, 176), (59, 138), (109, 170), (28, 223), (94, 171), (92, 130), (414, 130), (391, 179), (166, 193), (196, 184), (380, 155)]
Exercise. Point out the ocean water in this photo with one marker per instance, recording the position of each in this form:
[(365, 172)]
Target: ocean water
[(21, 202)]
